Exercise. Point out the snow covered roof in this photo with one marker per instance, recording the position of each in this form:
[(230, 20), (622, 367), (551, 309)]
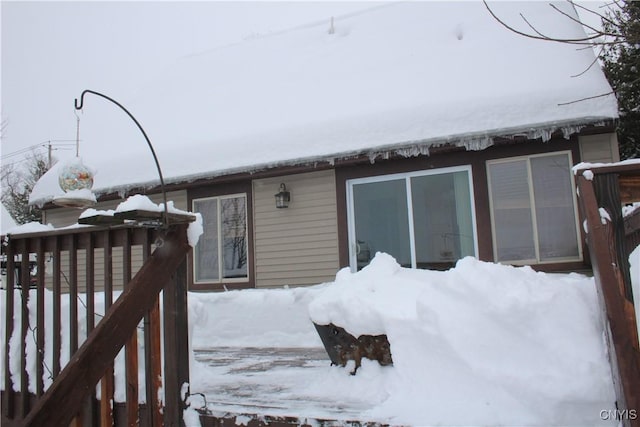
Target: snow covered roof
[(7, 221), (399, 77)]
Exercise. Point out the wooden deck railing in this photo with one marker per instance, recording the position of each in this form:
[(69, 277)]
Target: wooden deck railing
[(602, 192), (61, 284)]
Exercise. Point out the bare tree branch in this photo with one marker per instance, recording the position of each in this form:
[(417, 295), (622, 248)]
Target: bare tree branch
[(595, 36), (613, 92), (532, 27), (587, 40), (586, 9), (595, 61), (598, 33), (587, 98)]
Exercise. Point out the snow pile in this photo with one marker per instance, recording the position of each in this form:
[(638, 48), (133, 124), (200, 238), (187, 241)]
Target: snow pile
[(93, 212), (586, 165), (480, 344), (253, 318), (30, 227), (77, 196), (627, 210), (132, 203), (604, 216), (140, 202)]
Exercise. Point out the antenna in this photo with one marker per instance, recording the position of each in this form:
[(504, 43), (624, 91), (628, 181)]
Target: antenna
[(331, 27)]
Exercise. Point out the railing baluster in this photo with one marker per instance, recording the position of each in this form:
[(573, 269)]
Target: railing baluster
[(73, 296), (153, 357), (40, 322), (56, 308), (131, 348), (90, 283), (25, 282), (107, 381), (8, 404), (89, 407), (73, 306)]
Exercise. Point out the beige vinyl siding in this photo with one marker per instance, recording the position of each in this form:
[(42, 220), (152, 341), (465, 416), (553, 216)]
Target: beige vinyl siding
[(602, 148), (297, 245), (64, 217)]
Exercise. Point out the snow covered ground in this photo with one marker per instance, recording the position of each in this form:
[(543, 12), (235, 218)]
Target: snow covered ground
[(480, 344)]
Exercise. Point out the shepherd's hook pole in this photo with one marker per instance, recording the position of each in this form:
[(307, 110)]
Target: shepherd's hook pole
[(79, 106)]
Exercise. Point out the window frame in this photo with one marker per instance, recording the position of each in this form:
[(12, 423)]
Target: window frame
[(351, 229), (532, 208), (222, 280)]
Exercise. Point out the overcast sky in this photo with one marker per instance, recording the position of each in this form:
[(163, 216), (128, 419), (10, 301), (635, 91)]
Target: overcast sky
[(52, 51)]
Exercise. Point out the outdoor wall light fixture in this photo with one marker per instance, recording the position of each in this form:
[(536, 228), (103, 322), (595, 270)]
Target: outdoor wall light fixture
[(75, 177), (283, 197)]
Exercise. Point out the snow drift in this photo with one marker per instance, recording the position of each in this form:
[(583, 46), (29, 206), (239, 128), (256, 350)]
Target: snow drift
[(480, 344)]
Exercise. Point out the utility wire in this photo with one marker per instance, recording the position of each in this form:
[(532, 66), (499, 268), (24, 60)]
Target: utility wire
[(24, 160), (53, 142)]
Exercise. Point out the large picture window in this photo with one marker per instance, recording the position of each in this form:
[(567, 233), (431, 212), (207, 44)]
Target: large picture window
[(221, 252), (533, 209), (423, 219)]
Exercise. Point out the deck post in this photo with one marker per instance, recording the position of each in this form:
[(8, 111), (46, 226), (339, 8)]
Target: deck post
[(623, 355), (176, 347)]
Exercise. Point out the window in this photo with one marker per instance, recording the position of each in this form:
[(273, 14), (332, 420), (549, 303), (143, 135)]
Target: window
[(533, 209), (423, 219), (221, 252)]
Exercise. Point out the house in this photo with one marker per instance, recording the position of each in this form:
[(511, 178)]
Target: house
[(422, 129)]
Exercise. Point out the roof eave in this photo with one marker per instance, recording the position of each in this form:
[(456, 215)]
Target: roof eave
[(475, 141)]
